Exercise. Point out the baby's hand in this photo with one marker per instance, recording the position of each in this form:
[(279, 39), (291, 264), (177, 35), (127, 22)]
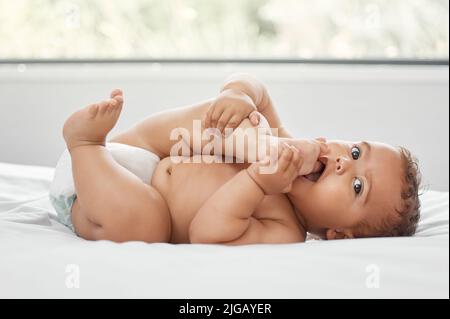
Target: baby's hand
[(279, 181), (310, 150), (229, 109)]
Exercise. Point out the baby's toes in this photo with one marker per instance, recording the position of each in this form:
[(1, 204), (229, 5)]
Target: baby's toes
[(116, 92), (112, 105), (103, 107), (118, 100), (115, 107)]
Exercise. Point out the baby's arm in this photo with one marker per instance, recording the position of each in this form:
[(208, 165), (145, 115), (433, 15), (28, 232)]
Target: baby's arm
[(226, 217)]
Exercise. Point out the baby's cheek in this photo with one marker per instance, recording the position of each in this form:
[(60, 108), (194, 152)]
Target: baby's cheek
[(331, 190), (332, 201)]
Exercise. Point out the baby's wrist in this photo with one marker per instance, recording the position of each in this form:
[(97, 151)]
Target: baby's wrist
[(254, 180)]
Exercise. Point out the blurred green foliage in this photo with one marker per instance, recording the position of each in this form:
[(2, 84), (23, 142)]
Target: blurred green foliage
[(224, 29)]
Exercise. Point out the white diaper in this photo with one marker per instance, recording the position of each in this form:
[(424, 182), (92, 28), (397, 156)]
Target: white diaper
[(138, 161)]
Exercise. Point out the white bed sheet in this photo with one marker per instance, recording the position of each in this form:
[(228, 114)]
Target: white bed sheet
[(36, 251)]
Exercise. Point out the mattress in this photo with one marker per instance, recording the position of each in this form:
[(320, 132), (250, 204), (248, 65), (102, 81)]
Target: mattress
[(40, 258)]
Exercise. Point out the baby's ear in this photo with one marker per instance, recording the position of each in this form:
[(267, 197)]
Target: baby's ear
[(333, 234)]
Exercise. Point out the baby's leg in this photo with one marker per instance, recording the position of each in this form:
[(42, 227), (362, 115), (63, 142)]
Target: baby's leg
[(112, 203), (154, 134)]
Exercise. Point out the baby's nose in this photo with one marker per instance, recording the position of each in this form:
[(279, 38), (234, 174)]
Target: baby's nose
[(341, 164)]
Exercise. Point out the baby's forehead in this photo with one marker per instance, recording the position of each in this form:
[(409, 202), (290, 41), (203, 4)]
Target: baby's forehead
[(386, 154), (384, 147), (386, 171)]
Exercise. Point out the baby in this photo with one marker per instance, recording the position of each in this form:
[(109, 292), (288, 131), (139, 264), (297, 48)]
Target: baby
[(331, 189)]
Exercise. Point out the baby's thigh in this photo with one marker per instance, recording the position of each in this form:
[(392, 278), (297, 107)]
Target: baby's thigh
[(144, 219), (84, 227)]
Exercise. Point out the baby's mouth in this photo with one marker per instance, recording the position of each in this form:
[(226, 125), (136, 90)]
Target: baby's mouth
[(318, 172)]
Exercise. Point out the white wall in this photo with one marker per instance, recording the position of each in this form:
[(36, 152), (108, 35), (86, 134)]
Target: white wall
[(399, 105)]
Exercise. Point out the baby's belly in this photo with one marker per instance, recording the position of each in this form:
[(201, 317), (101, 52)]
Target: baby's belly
[(186, 187)]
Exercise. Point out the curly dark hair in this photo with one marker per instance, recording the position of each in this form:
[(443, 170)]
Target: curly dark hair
[(405, 220)]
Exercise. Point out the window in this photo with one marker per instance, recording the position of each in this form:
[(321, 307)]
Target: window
[(224, 29)]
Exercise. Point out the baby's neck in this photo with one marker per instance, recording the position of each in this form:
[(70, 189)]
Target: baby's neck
[(302, 221)]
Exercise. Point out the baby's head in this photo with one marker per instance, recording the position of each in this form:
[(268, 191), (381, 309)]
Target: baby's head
[(365, 190)]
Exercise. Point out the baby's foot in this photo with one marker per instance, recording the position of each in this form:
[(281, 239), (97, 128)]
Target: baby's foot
[(90, 125)]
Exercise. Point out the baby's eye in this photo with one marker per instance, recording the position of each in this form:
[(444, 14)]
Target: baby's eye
[(356, 152), (357, 186)]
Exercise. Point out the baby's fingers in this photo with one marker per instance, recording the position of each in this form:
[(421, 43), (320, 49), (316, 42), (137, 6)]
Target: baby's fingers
[(254, 118), (323, 145), (223, 120), (285, 158), (233, 122), (295, 164), (209, 113), (215, 115), (296, 159)]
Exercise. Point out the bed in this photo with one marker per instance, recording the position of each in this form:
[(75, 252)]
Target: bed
[(40, 258)]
